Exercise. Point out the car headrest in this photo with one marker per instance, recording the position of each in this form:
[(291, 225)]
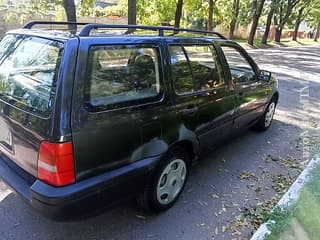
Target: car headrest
[(144, 62)]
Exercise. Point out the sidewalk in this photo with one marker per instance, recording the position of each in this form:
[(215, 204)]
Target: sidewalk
[(297, 214)]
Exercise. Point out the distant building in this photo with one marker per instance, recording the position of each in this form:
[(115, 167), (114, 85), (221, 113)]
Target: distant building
[(103, 4), (304, 27)]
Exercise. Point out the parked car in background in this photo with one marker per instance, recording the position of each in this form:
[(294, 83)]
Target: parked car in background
[(92, 118)]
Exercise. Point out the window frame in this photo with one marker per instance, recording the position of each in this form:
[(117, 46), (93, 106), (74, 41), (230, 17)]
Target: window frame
[(218, 61), (130, 103)]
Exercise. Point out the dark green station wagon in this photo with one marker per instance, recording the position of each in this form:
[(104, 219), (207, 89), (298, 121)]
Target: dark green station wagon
[(92, 117)]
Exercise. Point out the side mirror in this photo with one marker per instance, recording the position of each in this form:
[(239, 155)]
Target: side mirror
[(265, 75)]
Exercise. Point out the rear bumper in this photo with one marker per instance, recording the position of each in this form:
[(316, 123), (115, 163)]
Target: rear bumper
[(83, 197)]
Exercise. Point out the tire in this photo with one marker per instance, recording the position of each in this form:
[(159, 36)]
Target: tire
[(265, 121), (167, 183)]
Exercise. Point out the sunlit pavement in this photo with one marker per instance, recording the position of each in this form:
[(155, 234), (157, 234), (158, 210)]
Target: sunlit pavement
[(4, 191)]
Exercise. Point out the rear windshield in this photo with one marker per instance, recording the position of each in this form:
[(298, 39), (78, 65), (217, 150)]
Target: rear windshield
[(28, 68)]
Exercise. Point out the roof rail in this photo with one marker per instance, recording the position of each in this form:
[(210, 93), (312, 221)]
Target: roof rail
[(29, 25), (85, 31)]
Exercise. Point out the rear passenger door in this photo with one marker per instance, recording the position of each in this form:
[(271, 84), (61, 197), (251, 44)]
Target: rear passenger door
[(118, 103), (251, 94), (202, 97)]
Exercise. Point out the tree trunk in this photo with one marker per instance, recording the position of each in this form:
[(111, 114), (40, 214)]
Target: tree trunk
[(278, 32), (255, 21), (317, 35), (232, 28), (132, 12), (284, 14), (233, 23), (210, 17), (297, 24), (268, 25), (70, 9), (253, 29), (178, 14)]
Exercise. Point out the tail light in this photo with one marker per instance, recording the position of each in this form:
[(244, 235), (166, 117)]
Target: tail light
[(56, 163)]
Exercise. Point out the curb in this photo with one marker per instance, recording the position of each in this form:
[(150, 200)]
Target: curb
[(291, 195)]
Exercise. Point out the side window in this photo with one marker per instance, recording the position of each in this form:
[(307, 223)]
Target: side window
[(205, 68), (181, 72), (240, 68), (122, 75), (195, 68)]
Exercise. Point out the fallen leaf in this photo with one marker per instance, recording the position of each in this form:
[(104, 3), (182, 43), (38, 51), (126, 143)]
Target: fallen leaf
[(224, 228), (214, 196)]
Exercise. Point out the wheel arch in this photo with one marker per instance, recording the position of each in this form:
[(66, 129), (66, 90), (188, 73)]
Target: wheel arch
[(275, 97), (188, 147)]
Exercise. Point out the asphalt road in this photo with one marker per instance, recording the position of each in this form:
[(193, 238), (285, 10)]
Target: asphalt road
[(226, 183)]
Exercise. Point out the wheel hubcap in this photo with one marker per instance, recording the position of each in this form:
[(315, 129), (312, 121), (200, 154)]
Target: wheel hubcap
[(171, 181), (269, 114)]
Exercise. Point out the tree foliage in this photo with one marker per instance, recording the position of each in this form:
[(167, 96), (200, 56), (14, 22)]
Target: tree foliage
[(86, 7), (203, 14), (313, 18), (155, 12), (283, 10), (299, 14)]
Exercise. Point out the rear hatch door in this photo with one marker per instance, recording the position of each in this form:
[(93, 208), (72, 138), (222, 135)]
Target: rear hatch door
[(28, 69)]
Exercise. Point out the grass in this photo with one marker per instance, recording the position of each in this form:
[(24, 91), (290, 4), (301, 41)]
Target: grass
[(285, 42), (300, 217)]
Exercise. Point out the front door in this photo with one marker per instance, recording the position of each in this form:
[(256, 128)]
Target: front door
[(250, 93), (201, 96)]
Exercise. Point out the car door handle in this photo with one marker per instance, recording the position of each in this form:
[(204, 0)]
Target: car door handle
[(190, 110)]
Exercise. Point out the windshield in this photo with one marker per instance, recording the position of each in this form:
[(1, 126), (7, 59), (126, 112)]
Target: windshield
[(28, 68)]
